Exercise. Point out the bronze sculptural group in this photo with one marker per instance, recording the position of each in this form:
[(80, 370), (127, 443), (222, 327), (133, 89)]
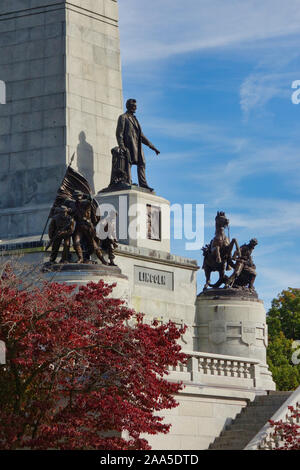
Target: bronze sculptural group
[(75, 217), (218, 258)]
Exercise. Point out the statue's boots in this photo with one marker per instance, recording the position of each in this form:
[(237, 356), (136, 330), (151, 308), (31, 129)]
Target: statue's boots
[(79, 253), (99, 255)]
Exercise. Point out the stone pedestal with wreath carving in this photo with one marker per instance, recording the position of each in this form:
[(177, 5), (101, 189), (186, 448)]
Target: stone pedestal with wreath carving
[(233, 322)]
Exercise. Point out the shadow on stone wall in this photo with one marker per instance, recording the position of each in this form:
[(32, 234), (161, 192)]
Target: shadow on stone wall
[(85, 159)]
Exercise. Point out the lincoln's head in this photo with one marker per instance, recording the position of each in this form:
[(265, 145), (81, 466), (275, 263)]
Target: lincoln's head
[(131, 105)]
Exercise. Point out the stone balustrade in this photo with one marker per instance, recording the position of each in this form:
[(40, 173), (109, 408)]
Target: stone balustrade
[(219, 370), (266, 439)]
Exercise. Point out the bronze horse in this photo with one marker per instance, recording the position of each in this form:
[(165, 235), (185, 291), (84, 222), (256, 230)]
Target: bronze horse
[(217, 255)]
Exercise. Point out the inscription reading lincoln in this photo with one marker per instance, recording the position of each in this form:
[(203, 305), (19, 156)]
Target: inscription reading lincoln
[(153, 277), (159, 279)]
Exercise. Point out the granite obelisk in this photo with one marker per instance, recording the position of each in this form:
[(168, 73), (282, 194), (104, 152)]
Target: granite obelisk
[(60, 62)]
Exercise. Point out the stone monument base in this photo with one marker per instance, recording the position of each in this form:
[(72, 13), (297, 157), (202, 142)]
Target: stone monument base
[(143, 219), (125, 187), (233, 322), (233, 292), (81, 274), (96, 268)]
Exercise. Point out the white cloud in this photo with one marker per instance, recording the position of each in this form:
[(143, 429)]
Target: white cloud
[(214, 136), (267, 217), (259, 88), (163, 28), (247, 156), (178, 156), (281, 160), (273, 280)]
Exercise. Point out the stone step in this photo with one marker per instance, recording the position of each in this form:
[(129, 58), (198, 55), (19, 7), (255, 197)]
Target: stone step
[(258, 421), (234, 442), (256, 414), (236, 434), (261, 407), (242, 442), (232, 446), (247, 427), (249, 421), (272, 400), (263, 411)]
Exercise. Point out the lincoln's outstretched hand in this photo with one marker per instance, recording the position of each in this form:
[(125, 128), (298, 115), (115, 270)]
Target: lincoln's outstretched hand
[(155, 150)]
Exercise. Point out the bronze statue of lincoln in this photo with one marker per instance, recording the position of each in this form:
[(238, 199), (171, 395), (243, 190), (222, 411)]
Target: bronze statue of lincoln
[(130, 139)]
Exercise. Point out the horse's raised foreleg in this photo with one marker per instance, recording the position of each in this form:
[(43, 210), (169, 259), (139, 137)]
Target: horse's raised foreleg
[(237, 247), (207, 276), (229, 253)]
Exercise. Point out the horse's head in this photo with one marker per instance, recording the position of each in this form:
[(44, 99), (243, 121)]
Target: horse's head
[(221, 220)]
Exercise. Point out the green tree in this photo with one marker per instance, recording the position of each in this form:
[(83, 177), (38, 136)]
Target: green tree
[(284, 328)]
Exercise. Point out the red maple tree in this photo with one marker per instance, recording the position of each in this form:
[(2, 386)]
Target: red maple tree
[(287, 432), (82, 370)]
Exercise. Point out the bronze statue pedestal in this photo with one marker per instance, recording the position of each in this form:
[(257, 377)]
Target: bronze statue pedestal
[(143, 218), (82, 274), (125, 186), (232, 323), (93, 268), (233, 292)]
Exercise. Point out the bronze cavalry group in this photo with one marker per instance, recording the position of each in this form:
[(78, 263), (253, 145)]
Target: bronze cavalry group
[(218, 257), (75, 215)]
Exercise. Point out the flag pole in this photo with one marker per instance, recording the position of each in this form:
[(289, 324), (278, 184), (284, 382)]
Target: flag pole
[(70, 164)]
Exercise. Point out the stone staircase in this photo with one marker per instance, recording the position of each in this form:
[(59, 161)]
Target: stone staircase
[(249, 422)]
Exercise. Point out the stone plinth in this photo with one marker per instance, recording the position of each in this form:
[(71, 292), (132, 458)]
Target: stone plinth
[(60, 61), (143, 219), (233, 322), (81, 274)]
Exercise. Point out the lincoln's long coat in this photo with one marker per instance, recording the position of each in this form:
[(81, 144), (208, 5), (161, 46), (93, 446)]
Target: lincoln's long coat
[(129, 134)]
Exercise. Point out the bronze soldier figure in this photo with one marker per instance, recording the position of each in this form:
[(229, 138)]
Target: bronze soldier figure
[(131, 139), (244, 273), (61, 229), (106, 232), (85, 233)]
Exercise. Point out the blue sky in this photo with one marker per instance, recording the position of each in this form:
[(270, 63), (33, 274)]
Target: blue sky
[(213, 83)]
